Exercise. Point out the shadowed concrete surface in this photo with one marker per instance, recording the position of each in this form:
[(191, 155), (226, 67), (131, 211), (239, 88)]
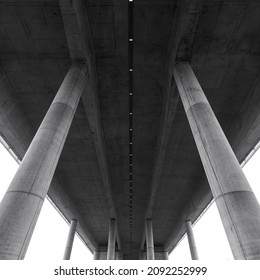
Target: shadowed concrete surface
[(120, 166)]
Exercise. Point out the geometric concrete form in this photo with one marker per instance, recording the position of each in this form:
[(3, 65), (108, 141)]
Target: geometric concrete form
[(21, 205), (191, 240), (236, 202), (111, 240), (69, 244), (149, 239), (130, 154)]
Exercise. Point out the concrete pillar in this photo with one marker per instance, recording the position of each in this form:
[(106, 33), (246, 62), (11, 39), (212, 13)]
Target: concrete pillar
[(191, 240), (21, 205), (149, 239), (237, 204), (96, 255), (111, 240), (72, 231)]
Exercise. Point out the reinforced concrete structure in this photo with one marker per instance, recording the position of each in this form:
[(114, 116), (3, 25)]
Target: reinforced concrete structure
[(131, 116)]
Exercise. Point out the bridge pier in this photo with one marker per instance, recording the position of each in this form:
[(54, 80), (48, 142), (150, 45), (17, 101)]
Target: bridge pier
[(149, 239), (22, 203), (69, 244), (191, 240), (111, 240), (236, 202)]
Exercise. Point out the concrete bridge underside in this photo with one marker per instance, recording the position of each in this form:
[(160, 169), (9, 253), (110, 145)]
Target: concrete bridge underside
[(130, 154)]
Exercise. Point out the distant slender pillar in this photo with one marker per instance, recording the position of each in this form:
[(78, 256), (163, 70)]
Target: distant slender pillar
[(191, 240), (96, 255), (21, 205), (149, 239), (111, 240), (236, 202), (69, 244)]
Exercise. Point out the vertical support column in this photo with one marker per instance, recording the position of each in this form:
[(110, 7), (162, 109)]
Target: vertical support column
[(149, 239), (236, 202), (191, 240), (96, 255), (21, 205), (69, 244), (111, 240)]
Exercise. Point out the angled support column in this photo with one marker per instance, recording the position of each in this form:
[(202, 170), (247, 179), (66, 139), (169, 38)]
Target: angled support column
[(111, 240), (236, 202), (21, 205), (191, 240), (71, 235), (149, 239)]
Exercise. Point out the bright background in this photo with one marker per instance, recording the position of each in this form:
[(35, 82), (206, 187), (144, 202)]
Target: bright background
[(49, 238)]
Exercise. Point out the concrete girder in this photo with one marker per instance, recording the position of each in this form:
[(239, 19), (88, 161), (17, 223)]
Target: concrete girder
[(14, 127), (84, 51), (182, 22)]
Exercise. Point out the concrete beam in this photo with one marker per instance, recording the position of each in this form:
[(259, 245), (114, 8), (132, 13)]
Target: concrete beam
[(236, 202), (85, 51), (170, 99), (21, 205), (14, 127)]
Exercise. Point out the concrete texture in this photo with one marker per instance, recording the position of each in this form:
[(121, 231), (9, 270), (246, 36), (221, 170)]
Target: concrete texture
[(236, 202), (70, 239), (191, 240), (40, 40), (21, 205), (111, 245), (149, 239)]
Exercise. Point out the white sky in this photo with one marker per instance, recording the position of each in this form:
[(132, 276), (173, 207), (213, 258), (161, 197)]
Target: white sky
[(49, 238)]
